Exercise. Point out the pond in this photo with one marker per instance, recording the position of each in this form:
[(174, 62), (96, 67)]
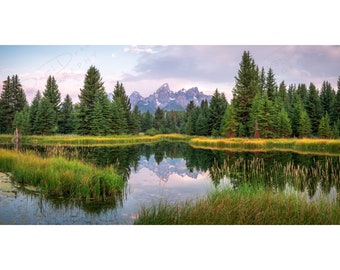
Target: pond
[(172, 172)]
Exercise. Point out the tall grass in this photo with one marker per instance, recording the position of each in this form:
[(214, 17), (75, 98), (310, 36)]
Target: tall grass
[(103, 140), (316, 145), (57, 176), (301, 145), (246, 205)]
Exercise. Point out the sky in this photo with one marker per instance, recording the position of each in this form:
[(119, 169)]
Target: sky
[(144, 68)]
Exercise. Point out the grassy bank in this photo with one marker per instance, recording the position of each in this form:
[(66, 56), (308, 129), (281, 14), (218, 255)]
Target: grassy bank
[(292, 144), (57, 176), (96, 140), (301, 145), (246, 205)]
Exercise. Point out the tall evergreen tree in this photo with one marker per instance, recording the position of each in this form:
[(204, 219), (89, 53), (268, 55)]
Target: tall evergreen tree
[(262, 81), (247, 85), (313, 108), (34, 123), (327, 96), (67, 120), (229, 126), (335, 113), (45, 119), (283, 95), (324, 127), (22, 121), (53, 95), (285, 129), (295, 113), (218, 105), (191, 115), (121, 109), (93, 91), (119, 121), (262, 118), (98, 120), (147, 121), (12, 100), (304, 128), (202, 122), (271, 87), (303, 92), (135, 121), (159, 119)]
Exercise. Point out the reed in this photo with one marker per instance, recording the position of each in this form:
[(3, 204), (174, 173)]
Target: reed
[(56, 176), (248, 205), (103, 140), (303, 145)]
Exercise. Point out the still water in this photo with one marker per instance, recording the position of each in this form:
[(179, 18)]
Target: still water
[(167, 171)]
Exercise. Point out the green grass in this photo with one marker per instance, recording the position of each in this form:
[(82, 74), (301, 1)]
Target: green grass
[(305, 145), (98, 140), (323, 146), (245, 206), (57, 176)]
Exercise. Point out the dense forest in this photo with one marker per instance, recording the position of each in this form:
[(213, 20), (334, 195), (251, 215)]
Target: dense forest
[(260, 108)]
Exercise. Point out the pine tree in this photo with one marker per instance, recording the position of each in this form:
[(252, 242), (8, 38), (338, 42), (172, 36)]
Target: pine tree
[(147, 121), (303, 92), (34, 112), (98, 120), (262, 81), (271, 86), (327, 96), (202, 122), (67, 116), (266, 119), (22, 121), (122, 109), (229, 126), (191, 115), (335, 112), (92, 91), (295, 113), (119, 120), (313, 108), (159, 119), (283, 95), (324, 127), (255, 114), (135, 121), (12, 100), (304, 127), (218, 105), (336, 129), (52, 93), (247, 85), (45, 119), (285, 129)]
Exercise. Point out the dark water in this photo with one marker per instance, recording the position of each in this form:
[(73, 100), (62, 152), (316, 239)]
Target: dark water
[(170, 171)]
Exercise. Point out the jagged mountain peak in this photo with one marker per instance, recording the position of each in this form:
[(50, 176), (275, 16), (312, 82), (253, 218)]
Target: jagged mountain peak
[(166, 99)]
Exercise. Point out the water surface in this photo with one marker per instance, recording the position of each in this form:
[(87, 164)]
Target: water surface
[(167, 171)]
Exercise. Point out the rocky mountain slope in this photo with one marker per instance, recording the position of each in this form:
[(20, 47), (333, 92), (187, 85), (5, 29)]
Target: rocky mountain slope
[(166, 99)]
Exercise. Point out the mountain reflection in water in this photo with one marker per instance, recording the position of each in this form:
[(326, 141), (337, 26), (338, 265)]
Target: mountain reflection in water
[(172, 172)]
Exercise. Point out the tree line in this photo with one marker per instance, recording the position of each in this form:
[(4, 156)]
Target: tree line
[(259, 108)]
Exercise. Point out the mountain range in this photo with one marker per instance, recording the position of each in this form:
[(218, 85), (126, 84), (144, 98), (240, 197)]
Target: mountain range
[(166, 99)]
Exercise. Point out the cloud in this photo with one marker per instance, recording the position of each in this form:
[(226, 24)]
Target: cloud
[(139, 50), (210, 63)]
